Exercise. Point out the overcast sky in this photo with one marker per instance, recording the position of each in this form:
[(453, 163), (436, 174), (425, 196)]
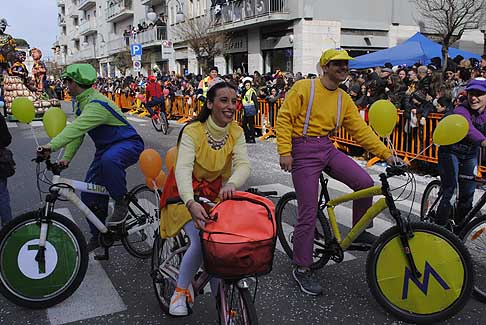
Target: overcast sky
[(33, 20)]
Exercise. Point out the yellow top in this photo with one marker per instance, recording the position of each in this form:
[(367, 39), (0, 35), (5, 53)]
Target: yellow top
[(291, 118), (196, 157)]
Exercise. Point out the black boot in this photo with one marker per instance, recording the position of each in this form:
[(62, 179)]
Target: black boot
[(119, 213)]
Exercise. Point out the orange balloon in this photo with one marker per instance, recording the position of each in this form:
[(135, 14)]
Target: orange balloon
[(170, 158), (158, 182), (160, 179), (150, 163), (150, 182)]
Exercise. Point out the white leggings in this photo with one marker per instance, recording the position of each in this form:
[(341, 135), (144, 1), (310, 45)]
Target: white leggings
[(192, 260)]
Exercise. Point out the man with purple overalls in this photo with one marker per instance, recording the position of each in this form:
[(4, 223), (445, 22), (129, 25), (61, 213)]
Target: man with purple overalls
[(117, 143), (312, 110)]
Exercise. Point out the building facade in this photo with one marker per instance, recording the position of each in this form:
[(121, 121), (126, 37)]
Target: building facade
[(266, 35)]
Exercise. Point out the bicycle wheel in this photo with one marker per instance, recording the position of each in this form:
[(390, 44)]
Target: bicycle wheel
[(474, 237), (164, 123), (286, 218), (442, 259), (32, 284), (430, 201), (166, 260), (239, 307), (142, 223), (157, 122)]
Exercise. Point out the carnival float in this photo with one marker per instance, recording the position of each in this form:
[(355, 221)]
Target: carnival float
[(16, 81)]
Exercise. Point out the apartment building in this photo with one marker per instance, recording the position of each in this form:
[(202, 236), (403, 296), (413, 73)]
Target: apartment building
[(265, 34)]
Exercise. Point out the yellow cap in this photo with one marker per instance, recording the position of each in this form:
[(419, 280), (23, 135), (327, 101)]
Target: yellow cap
[(334, 55)]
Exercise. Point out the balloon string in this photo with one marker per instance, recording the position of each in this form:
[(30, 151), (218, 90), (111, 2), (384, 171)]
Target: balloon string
[(33, 134), (421, 152), (155, 184), (60, 154)]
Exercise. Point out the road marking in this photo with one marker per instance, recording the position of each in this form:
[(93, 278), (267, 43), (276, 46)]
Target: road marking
[(12, 125), (135, 119), (96, 296), (36, 123)]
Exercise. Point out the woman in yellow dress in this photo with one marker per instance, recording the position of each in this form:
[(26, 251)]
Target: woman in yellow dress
[(212, 161)]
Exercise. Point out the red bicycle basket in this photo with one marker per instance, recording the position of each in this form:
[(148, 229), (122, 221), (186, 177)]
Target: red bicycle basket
[(240, 241)]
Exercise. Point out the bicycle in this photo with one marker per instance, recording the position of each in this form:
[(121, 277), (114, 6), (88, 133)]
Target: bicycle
[(471, 230), (401, 261), (159, 120), (234, 301), (43, 254)]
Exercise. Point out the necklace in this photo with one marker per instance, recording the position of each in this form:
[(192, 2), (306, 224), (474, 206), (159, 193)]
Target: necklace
[(216, 144)]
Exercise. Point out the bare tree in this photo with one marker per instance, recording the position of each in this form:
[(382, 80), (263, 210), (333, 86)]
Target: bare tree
[(450, 18), (205, 44), (122, 61)]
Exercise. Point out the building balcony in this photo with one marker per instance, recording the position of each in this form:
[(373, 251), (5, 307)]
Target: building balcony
[(87, 52), (60, 3), (119, 10), (236, 15), (150, 37), (86, 4), (152, 2), (116, 45), (88, 27), (61, 21)]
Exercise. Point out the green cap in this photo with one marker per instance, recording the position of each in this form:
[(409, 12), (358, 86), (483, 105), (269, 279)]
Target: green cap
[(82, 73)]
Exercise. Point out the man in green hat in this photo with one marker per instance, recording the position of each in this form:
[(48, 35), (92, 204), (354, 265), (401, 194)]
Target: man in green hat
[(117, 143)]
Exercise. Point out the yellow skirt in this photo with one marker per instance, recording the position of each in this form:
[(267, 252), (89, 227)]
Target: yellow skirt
[(172, 218)]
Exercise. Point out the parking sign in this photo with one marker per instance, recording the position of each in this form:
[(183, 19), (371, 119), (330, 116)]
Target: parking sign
[(136, 49)]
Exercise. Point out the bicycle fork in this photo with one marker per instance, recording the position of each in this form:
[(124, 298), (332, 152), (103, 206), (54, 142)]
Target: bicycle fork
[(40, 257)]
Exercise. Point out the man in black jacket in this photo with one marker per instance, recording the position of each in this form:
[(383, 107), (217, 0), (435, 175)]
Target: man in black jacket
[(5, 211)]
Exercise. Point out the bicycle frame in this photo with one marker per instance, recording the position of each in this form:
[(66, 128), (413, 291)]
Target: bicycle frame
[(370, 214), (76, 201), (201, 281)]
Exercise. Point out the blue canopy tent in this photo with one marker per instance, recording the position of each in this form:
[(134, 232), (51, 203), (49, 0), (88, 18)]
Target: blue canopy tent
[(417, 48)]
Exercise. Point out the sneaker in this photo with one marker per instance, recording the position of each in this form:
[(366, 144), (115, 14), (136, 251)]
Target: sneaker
[(365, 238), (93, 243), (119, 214), (178, 302), (308, 282)]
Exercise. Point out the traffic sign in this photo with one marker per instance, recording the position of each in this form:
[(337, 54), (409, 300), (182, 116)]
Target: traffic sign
[(136, 49), (137, 65), (137, 58)]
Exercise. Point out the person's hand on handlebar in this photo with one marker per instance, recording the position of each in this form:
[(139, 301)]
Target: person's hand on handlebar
[(395, 161), (198, 213), (44, 151), (64, 163), (227, 191)]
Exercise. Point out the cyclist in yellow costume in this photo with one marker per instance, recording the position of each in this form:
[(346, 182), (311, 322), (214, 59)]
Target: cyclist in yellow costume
[(212, 161)]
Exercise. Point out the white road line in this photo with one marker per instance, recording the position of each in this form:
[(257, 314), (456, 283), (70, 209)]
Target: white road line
[(96, 296), (135, 119), (12, 125), (36, 123)]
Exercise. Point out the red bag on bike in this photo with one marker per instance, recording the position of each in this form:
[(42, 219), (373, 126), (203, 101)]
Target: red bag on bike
[(240, 240)]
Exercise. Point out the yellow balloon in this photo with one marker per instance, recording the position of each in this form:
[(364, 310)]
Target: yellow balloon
[(54, 121), (23, 109), (383, 117), (451, 129)]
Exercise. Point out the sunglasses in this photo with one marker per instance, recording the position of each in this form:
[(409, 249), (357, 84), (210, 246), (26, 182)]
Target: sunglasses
[(476, 93)]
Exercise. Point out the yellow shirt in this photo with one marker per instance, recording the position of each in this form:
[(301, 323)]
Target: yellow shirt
[(196, 157), (291, 118)]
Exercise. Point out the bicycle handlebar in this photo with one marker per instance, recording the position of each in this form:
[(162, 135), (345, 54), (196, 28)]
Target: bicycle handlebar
[(55, 168), (396, 170)]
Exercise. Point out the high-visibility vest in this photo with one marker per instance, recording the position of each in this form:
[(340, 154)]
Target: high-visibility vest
[(248, 95)]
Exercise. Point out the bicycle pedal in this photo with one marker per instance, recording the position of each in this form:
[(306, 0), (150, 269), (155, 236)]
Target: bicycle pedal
[(359, 247), (104, 257)]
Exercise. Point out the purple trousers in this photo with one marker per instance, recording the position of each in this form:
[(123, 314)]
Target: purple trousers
[(310, 157)]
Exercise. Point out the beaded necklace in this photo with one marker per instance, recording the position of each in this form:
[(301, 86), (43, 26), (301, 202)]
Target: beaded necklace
[(216, 144)]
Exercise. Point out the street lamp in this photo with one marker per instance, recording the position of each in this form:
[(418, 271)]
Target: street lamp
[(179, 13)]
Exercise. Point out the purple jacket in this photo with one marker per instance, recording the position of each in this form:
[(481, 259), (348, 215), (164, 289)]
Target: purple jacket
[(475, 120)]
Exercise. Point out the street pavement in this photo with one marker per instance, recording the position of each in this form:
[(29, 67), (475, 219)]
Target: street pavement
[(119, 291)]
